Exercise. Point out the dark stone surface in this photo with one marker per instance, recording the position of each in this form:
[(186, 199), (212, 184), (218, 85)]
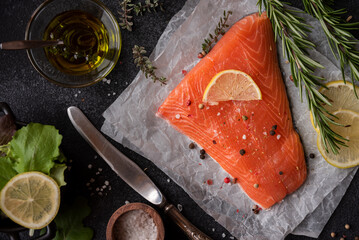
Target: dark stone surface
[(33, 99)]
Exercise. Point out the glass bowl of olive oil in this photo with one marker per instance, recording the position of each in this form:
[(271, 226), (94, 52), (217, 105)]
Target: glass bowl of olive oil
[(91, 36)]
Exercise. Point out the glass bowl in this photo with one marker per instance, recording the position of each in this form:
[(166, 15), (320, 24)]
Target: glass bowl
[(38, 23)]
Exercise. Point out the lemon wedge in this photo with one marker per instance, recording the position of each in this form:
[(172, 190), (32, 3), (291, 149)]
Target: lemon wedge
[(31, 199), (231, 85), (347, 156), (341, 96)]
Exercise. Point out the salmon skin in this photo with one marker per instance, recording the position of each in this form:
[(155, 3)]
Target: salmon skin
[(269, 166)]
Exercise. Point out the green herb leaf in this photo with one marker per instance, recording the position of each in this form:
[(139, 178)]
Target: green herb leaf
[(145, 64), (69, 221), (57, 173), (218, 31), (35, 147), (6, 171)]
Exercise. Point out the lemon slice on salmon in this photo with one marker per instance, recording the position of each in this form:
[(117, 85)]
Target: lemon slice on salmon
[(341, 96), (347, 156), (31, 199), (231, 85)]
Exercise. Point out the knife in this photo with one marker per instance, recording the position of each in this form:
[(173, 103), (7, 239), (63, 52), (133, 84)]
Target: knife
[(130, 172)]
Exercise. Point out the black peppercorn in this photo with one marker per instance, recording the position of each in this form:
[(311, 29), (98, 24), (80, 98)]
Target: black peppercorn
[(191, 145), (202, 156), (271, 132), (274, 127), (312, 155), (242, 152), (202, 151)]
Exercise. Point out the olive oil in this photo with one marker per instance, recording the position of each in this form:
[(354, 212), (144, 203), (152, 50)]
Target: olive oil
[(85, 42)]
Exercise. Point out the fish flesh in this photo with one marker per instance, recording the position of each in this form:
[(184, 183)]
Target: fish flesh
[(253, 141)]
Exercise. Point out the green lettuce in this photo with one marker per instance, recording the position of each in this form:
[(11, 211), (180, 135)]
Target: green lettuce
[(69, 221), (34, 147), (6, 171)]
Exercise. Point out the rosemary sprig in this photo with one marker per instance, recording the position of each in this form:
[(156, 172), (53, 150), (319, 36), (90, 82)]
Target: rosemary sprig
[(127, 7), (145, 64), (293, 32), (341, 41), (219, 31), (147, 6)]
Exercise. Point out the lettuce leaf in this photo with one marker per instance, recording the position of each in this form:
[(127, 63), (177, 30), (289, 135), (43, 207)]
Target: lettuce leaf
[(6, 171), (69, 221), (57, 173), (35, 148)]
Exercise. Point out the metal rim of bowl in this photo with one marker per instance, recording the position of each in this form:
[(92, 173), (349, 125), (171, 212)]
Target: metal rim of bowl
[(34, 14)]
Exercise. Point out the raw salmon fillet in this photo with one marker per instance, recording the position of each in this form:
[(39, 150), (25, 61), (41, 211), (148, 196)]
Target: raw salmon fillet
[(273, 165)]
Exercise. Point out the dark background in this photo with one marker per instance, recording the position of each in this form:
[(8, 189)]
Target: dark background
[(33, 99)]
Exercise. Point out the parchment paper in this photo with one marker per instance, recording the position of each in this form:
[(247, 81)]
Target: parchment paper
[(131, 121)]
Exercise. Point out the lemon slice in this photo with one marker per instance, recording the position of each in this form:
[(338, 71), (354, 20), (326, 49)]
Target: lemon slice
[(31, 199), (231, 85), (341, 96), (347, 156)]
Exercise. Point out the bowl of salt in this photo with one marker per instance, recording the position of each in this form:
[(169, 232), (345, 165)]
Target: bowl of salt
[(135, 221)]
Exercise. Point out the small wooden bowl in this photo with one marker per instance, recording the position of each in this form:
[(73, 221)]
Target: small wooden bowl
[(135, 206)]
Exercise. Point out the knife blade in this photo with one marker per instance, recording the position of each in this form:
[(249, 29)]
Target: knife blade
[(132, 174)]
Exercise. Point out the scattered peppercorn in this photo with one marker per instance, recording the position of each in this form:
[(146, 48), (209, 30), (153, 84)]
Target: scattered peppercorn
[(245, 118), (189, 102), (242, 152), (256, 185), (255, 211), (201, 106), (227, 180), (209, 182), (202, 156), (272, 132), (312, 155), (200, 55), (214, 142), (333, 234), (191, 145), (291, 78), (255, 207), (347, 226), (280, 173), (202, 151), (235, 180), (274, 127)]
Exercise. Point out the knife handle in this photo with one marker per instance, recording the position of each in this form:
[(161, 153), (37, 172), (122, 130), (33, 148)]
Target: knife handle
[(188, 228)]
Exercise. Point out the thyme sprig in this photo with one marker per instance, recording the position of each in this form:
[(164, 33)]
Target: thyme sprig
[(127, 7), (125, 17), (219, 31), (341, 41), (293, 32), (147, 6), (145, 64)]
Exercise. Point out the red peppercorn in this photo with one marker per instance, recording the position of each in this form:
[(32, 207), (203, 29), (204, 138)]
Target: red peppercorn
[(227, 180), (189, 102), (209, 182), (200, 55), (184, 72)]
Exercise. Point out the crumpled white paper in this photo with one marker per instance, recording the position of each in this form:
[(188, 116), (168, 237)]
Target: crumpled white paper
[(131, 121)]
